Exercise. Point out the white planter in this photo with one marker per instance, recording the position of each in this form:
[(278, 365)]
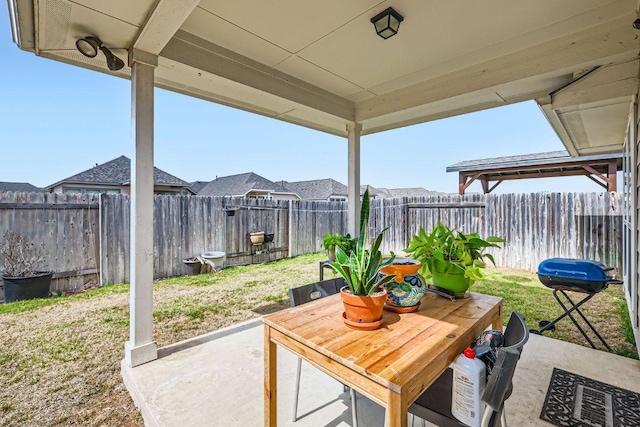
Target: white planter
[(215, 258)]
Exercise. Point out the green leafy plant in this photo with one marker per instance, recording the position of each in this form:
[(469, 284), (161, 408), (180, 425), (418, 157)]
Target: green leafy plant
[(346, 243), (360, 268), (452, 250)]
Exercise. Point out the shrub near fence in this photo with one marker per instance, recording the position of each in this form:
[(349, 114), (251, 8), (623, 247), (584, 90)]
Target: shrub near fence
[(73, 229)]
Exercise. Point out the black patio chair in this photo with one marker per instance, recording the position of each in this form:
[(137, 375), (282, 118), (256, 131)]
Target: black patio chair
[(304, 294), (434, 405)]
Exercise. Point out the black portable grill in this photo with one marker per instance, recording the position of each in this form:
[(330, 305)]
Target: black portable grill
[(575, 275)]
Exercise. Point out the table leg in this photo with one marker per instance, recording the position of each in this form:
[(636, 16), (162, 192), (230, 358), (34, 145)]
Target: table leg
[(270, 380), (497, 322), (396, 410)]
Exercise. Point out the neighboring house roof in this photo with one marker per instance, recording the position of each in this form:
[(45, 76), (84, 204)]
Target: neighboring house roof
[(197, 186), (389, 193), (323, 189), (19, 186), (118, 172), (239, 185), (317, 189), (374, 193), (551, 157)]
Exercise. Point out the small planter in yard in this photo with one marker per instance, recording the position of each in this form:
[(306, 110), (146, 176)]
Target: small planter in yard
[(21, 277), (256, 237), (192, 266), (214, 259), (331, 241)]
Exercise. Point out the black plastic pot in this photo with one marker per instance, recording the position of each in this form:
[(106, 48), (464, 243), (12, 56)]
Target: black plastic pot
[(24, 288), (192, 267)]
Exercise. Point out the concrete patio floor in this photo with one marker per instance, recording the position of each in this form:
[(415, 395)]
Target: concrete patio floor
[(217, 380)]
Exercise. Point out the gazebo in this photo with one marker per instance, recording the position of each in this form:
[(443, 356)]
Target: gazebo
[(323, 65), (600, 168)]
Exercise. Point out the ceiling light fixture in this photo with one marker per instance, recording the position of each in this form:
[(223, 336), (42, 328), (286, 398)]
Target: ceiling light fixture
[(387, 23), (88, 46)]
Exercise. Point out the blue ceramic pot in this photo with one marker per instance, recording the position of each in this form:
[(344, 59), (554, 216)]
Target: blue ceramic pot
[(407, 293)]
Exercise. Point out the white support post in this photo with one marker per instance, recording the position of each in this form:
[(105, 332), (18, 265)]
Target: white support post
[(141, 347), (353, 193)]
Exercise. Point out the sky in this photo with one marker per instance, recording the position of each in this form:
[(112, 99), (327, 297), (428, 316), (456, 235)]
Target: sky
[(58, 120)]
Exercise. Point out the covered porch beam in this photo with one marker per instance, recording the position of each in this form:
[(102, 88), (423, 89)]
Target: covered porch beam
[(203, 55), (162, 24)]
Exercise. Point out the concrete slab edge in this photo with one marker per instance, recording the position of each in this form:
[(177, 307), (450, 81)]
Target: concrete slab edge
[(130, 383), (137, 396), (211, 336)]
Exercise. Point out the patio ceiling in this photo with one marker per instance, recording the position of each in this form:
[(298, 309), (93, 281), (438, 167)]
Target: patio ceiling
[(321, 65)]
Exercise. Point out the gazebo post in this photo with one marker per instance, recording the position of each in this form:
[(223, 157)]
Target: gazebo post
[(353, 192), (462, 179), (141, 347), (612, 179)]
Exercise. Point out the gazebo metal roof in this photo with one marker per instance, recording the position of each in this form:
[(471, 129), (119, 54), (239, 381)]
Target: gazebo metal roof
[(599, 168)]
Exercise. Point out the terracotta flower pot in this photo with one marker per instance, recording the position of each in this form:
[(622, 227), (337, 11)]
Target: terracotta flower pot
[(363, 312)]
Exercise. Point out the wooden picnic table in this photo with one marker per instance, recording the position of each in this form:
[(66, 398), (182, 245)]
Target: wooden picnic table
[(392, 365)]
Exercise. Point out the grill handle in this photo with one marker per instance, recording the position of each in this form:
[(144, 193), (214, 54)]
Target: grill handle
[(608, 268), (615, 282)]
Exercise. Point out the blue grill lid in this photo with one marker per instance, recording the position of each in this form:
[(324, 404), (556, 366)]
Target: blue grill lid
[(578, 269)]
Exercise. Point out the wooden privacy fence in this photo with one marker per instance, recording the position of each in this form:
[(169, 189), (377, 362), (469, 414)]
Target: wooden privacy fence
[(535, 226), (186, 226), (64, 229), (83, 236), (546, 225)]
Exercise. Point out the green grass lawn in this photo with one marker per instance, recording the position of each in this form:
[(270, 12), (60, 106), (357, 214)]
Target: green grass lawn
[(60, 357)]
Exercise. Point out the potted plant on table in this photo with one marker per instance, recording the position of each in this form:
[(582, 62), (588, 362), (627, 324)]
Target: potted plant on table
[(21, 278), (331, 241), (453, 260), (406, 289), (364, 295)]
